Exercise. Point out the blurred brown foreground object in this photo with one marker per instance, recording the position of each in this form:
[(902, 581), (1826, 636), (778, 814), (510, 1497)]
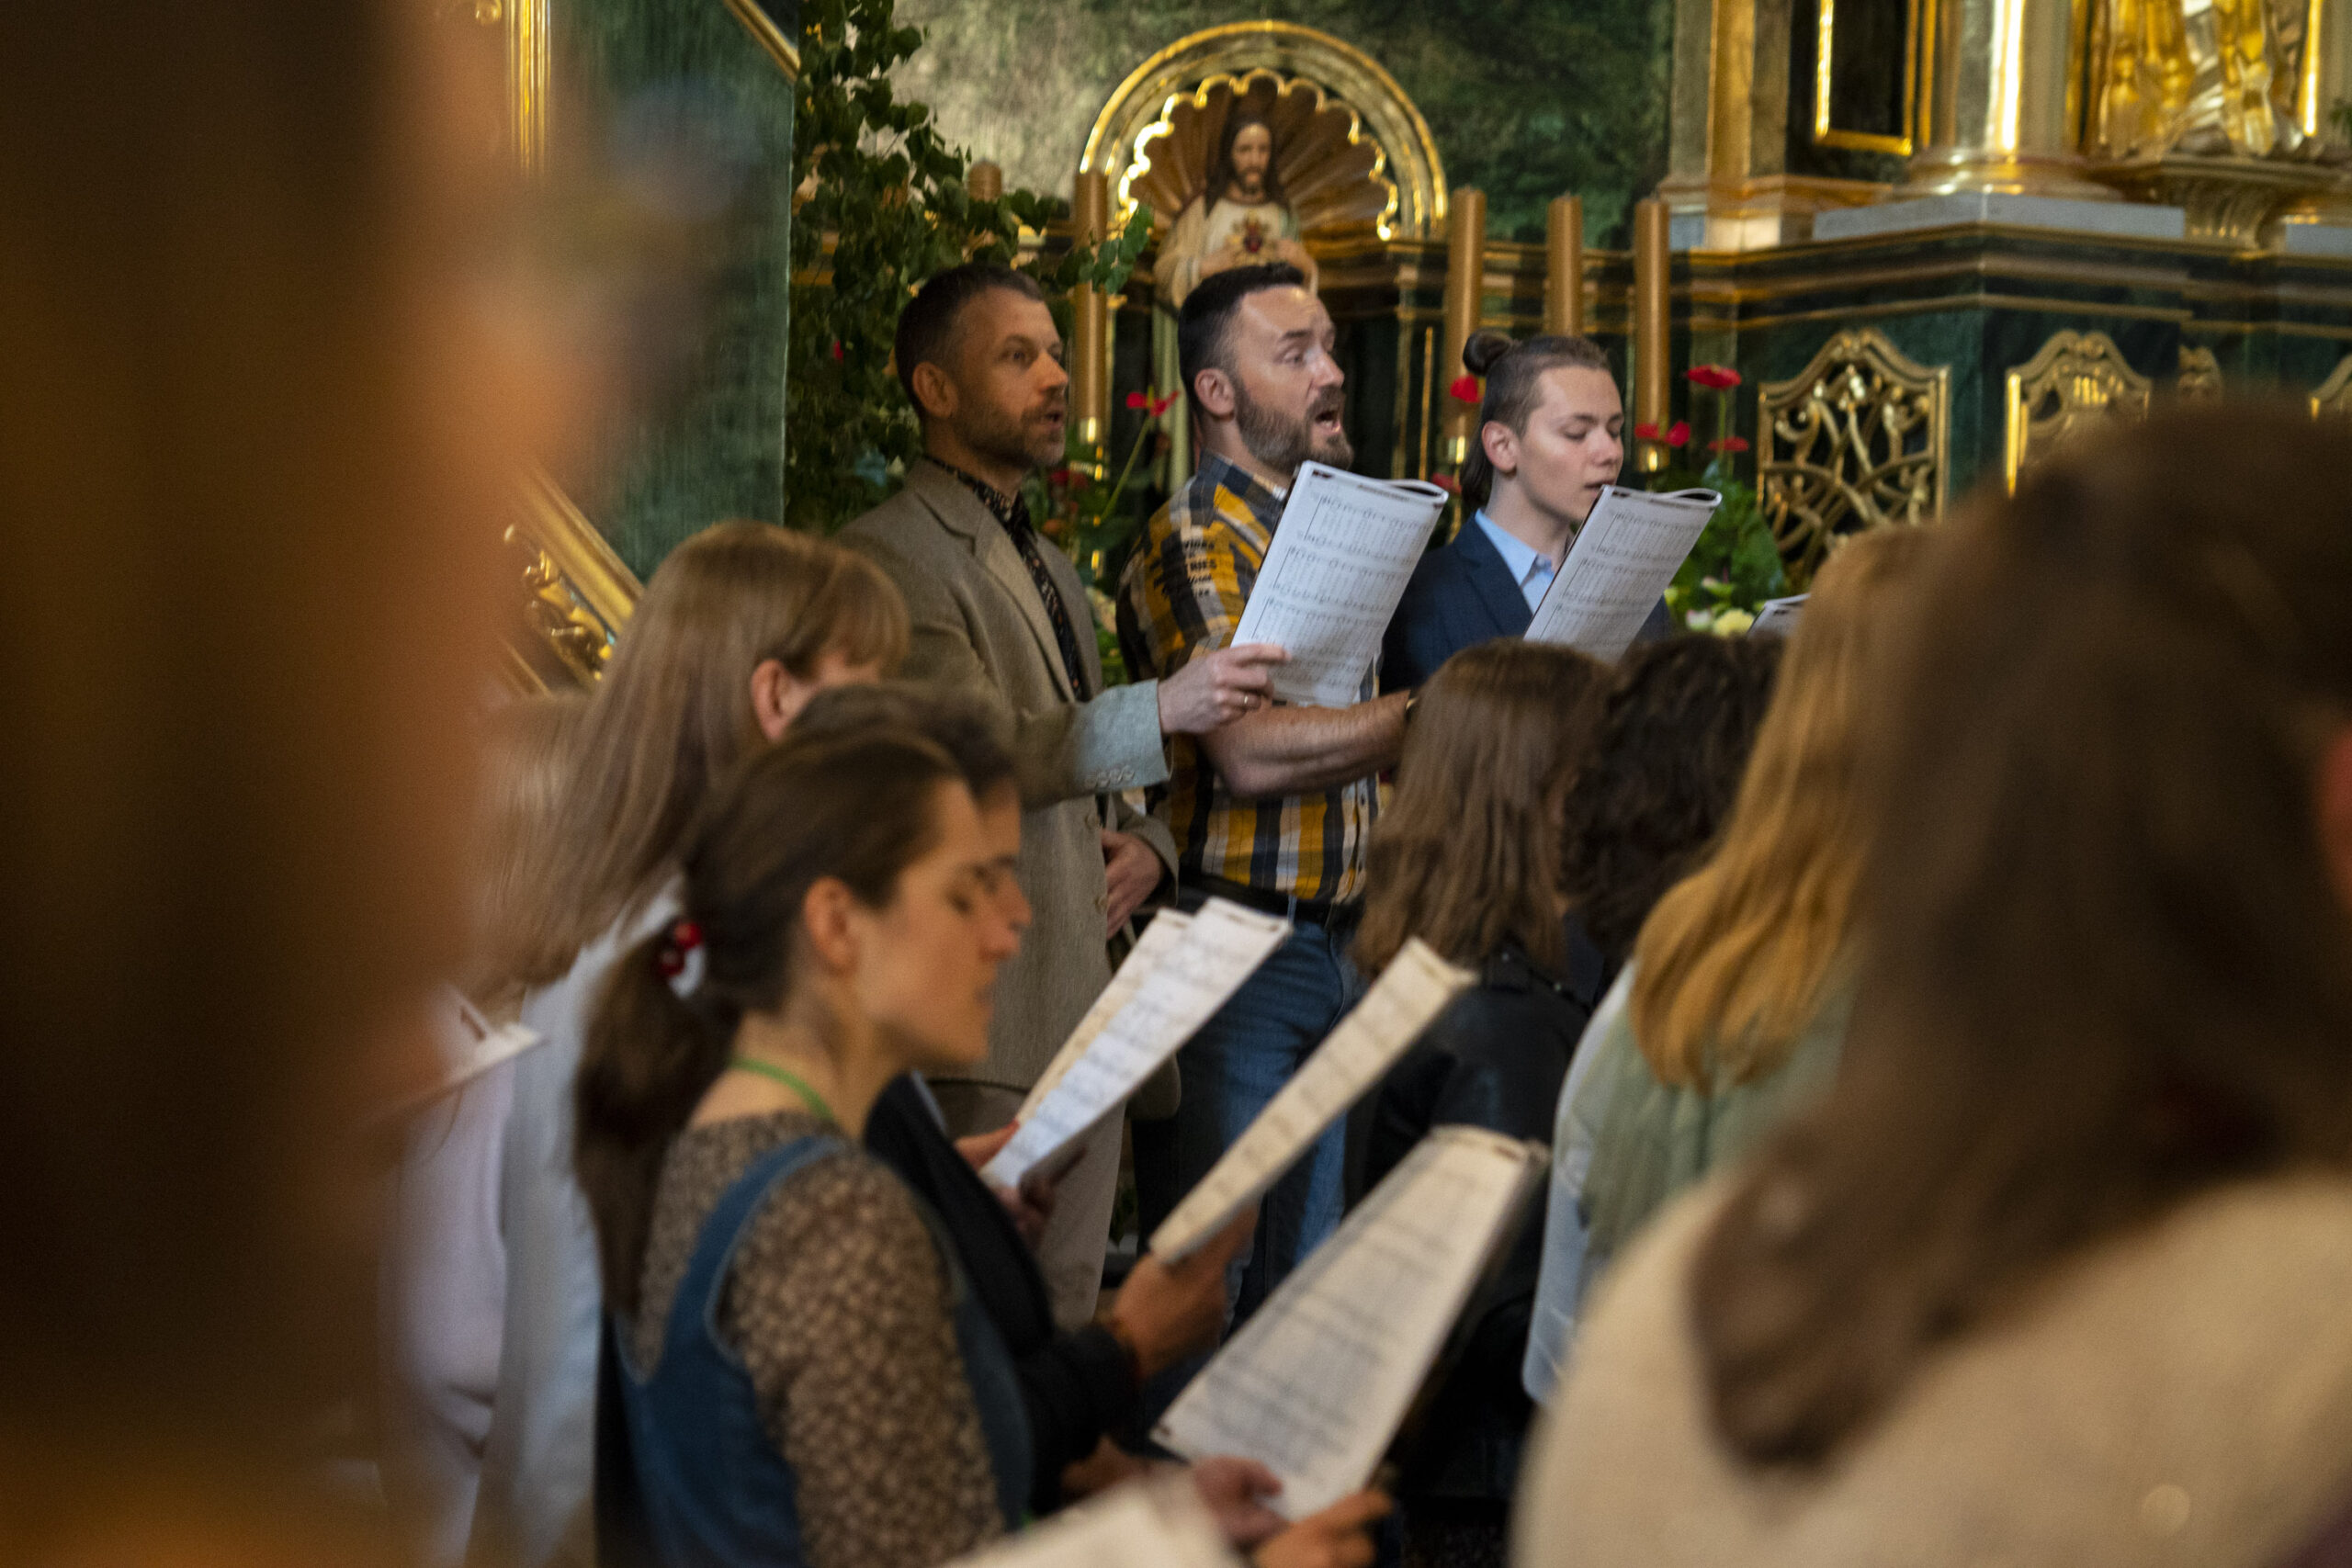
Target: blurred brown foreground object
[(261, 393)]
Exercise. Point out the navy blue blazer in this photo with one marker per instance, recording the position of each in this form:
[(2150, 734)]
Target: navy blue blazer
[(1461, 594)]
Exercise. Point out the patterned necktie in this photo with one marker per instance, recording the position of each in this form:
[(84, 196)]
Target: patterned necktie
[(1011, 513)]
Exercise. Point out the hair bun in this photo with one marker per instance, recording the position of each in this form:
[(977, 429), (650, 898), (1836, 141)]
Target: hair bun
[(1478, 356)]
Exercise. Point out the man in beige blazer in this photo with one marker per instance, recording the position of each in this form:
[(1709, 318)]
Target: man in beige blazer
[(998, 610)]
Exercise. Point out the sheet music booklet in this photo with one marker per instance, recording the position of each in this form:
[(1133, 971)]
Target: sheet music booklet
[(1778, 617), (1626, 553), (1155, 1523), (1413, 990), (1211, 954), (1343, 553), (1316, 1385), (1153, 946)]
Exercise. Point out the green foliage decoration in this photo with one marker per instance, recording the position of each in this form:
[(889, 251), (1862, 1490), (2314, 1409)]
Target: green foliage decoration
[(1735, 564), (885, 206)]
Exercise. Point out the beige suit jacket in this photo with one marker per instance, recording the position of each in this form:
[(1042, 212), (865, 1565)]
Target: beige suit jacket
[(980, 626)]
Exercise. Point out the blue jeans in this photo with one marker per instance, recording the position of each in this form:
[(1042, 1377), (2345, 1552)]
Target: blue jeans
[(1237, 1062)]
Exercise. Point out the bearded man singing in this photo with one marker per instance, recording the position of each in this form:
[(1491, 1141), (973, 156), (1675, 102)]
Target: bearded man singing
[(1273, 809), (998, 611)]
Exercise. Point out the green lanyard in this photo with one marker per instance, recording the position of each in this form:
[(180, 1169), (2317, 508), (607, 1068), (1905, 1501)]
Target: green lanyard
[(791, 1081)]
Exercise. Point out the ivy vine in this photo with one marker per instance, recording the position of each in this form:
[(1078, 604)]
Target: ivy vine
[(883, 205)]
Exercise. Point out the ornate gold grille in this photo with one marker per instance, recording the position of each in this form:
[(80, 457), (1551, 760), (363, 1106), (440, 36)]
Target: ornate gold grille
[(2078, 379), (1857, 439)]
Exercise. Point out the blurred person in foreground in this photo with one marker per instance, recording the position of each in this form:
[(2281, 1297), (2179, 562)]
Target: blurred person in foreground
[(264, 394), (1466, 859), (1733, 1008), (2057, 1272)]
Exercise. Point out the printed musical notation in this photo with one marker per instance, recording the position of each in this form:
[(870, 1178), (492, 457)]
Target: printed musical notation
[(1626, 553), (1157, 941), (1315, 1385), (1343, 553), (1222, 946), (1413, 990)]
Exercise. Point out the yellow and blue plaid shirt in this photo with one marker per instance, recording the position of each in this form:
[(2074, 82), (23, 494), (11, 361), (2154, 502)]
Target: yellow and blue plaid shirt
[(1182, 594)]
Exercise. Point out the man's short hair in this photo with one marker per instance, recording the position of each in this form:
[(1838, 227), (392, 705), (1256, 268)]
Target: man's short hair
[(927, 326), (1205, 323)]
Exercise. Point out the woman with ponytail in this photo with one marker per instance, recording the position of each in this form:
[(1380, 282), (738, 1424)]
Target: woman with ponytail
[(742, 626), (1551, 433), (801, 1374)]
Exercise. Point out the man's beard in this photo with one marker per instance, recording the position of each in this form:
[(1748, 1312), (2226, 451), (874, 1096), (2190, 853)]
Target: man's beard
[(1013, 439), (1282, 443)]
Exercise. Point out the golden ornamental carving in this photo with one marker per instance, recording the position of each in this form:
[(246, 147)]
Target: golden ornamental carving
[(576, 594), (1333, 176), (2200, 376), (1385, 134), (1857, 439), (2334, 394), (2076, 380)]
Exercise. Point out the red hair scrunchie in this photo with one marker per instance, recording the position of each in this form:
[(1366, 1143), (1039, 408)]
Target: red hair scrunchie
[(670, 959)]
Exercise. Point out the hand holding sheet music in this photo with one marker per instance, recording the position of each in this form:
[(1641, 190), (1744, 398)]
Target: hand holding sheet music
[(1343, 553), (1221, 947), (1314, 1386), (1626, 553), (1413, 990)]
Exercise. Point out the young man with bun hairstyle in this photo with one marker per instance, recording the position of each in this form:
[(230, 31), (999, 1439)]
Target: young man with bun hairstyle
[(999, 611), (1551, 433)]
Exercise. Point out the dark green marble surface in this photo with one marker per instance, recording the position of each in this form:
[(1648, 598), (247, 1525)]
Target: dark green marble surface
[(696, 434)]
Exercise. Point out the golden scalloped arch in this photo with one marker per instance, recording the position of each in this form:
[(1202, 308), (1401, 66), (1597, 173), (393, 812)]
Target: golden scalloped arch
[(1235, 56)]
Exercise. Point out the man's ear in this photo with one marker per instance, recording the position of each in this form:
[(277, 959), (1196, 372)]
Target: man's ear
[(934, 392), (2334, 809), (1213, 393), (1502, 445)]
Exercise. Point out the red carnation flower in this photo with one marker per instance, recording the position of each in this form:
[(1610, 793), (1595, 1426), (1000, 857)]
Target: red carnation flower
[(1159, 405), (1729, 444), (1138, 400), (1719, 377), (1061, 478), (1678, 434), (1465, 389), (1446, 483), (837, 350), (1645, 432)]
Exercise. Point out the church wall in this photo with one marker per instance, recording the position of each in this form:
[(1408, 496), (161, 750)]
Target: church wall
[(700, 434), (1526, 99)]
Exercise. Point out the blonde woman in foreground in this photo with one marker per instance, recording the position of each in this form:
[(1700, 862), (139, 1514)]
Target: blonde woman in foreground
[(2056, 1273), (1733, 1006)]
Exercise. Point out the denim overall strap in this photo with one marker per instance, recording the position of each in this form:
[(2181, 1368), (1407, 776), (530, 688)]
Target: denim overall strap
[(713, 1489)]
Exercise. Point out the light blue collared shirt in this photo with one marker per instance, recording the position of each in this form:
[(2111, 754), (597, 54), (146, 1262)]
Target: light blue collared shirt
[(1533, 573)]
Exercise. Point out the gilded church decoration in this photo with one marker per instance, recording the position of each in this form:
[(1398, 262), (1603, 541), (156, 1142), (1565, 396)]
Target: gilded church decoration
[(576, 594), (2334, 394), (2200, 376), (1332, 175), (1357, 151), (1857, 439), (2079, 379)]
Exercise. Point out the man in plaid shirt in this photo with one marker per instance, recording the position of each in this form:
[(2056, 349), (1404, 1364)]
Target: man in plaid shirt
[(1272, 809)]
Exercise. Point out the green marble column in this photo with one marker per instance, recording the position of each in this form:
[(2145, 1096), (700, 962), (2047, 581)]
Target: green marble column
[(701, 435)]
